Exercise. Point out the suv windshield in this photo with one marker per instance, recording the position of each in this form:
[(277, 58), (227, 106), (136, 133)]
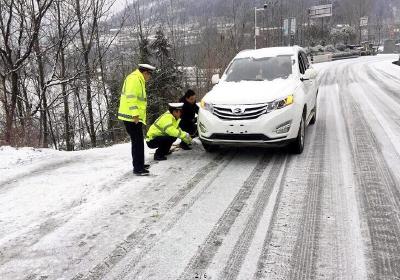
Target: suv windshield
[(261, 69)]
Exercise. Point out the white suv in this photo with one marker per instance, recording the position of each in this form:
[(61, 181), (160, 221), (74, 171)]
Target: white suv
[(266, 97)]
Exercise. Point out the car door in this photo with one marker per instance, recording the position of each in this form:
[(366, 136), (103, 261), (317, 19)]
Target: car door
[(308, 85), (314, 82)]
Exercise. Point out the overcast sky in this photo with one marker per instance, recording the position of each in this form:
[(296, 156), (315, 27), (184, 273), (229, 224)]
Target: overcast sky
[(119, 5)]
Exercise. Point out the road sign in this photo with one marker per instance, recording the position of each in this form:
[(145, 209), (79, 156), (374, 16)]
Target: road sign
[(292, 26), (286, 27), (321, 11), (364, 21)]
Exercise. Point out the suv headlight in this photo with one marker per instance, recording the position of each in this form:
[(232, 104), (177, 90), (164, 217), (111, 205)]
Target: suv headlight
[(280, 103), (206, 106)]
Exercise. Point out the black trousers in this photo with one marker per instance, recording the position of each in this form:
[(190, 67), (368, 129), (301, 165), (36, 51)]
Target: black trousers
[(136, 133), (163, 143), (189, 127)]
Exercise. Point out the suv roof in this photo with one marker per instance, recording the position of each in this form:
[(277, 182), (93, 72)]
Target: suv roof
[(269, 52)]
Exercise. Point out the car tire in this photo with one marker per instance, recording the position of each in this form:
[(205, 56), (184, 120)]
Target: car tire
[(314, 117), (209, 148), (297, 146)]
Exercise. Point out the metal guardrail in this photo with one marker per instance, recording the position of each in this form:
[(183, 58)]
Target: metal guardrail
[(346, 55), (334, 56)]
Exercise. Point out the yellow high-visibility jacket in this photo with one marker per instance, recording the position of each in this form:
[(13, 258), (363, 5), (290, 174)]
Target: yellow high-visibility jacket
[(167, 125), (133, 100)]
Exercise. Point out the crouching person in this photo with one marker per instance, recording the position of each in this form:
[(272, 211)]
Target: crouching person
[(165, 130), (188, 120)]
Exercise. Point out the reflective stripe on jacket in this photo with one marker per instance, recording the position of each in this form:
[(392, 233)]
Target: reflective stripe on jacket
[(166, 125), (133, 100)]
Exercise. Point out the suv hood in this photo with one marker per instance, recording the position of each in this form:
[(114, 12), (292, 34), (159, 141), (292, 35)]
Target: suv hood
[(250, 92)]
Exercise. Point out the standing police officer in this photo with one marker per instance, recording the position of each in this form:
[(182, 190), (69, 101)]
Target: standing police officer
[(132, 111)]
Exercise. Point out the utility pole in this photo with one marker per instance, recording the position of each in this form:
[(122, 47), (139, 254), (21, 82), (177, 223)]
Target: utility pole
[(308, 28), (256, 29), (281, 23)]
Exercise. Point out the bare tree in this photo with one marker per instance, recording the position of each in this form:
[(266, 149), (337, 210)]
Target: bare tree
[(89, 10), (20, 22), (61, 34)]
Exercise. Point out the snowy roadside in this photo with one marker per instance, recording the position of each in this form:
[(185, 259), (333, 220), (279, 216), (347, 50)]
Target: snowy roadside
[(61, 210)]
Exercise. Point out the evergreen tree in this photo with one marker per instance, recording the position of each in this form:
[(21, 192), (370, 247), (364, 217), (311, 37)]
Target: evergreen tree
[(165, 85), (144, 50)]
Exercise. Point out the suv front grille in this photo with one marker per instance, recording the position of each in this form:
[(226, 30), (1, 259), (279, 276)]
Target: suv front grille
[(240, 112)]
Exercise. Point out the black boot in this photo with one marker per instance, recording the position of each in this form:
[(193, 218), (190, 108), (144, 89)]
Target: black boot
[(159, 157), (143, 172), (184, 146)]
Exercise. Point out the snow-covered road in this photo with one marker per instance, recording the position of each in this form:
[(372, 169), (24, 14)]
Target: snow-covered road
[(331, 213)]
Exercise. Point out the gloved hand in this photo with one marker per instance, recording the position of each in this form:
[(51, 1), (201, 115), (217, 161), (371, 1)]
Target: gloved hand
[(188, 139)]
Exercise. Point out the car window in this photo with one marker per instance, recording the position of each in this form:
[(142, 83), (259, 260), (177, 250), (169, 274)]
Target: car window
[(305, 60), (301, 64), (260, 69)]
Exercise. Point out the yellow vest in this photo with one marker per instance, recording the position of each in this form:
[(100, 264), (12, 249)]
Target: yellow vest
[(133, 100), (166, 125)]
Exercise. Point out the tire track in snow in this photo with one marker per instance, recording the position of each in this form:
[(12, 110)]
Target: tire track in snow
[(383, 108), (141, 239), (206, 252), (393, 94), (59, 218), (390, 91), (386, 111), (238, 255), (277, 253), (54, 221), (378, 192), (386, 74), (305, 251), (45, 168), (269, 256), (264, 257), (340, 246)]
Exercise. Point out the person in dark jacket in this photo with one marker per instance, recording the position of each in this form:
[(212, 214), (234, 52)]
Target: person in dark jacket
[(188, 120)]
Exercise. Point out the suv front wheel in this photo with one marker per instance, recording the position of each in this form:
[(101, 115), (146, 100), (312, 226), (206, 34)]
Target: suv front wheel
[(314, 117), (209, 148), (297, 146)]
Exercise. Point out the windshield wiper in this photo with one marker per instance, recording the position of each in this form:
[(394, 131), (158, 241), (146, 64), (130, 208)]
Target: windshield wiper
[(253, 80)]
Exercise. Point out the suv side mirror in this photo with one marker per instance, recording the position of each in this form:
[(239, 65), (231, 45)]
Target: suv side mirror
[(215, 79), (310, 74)]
